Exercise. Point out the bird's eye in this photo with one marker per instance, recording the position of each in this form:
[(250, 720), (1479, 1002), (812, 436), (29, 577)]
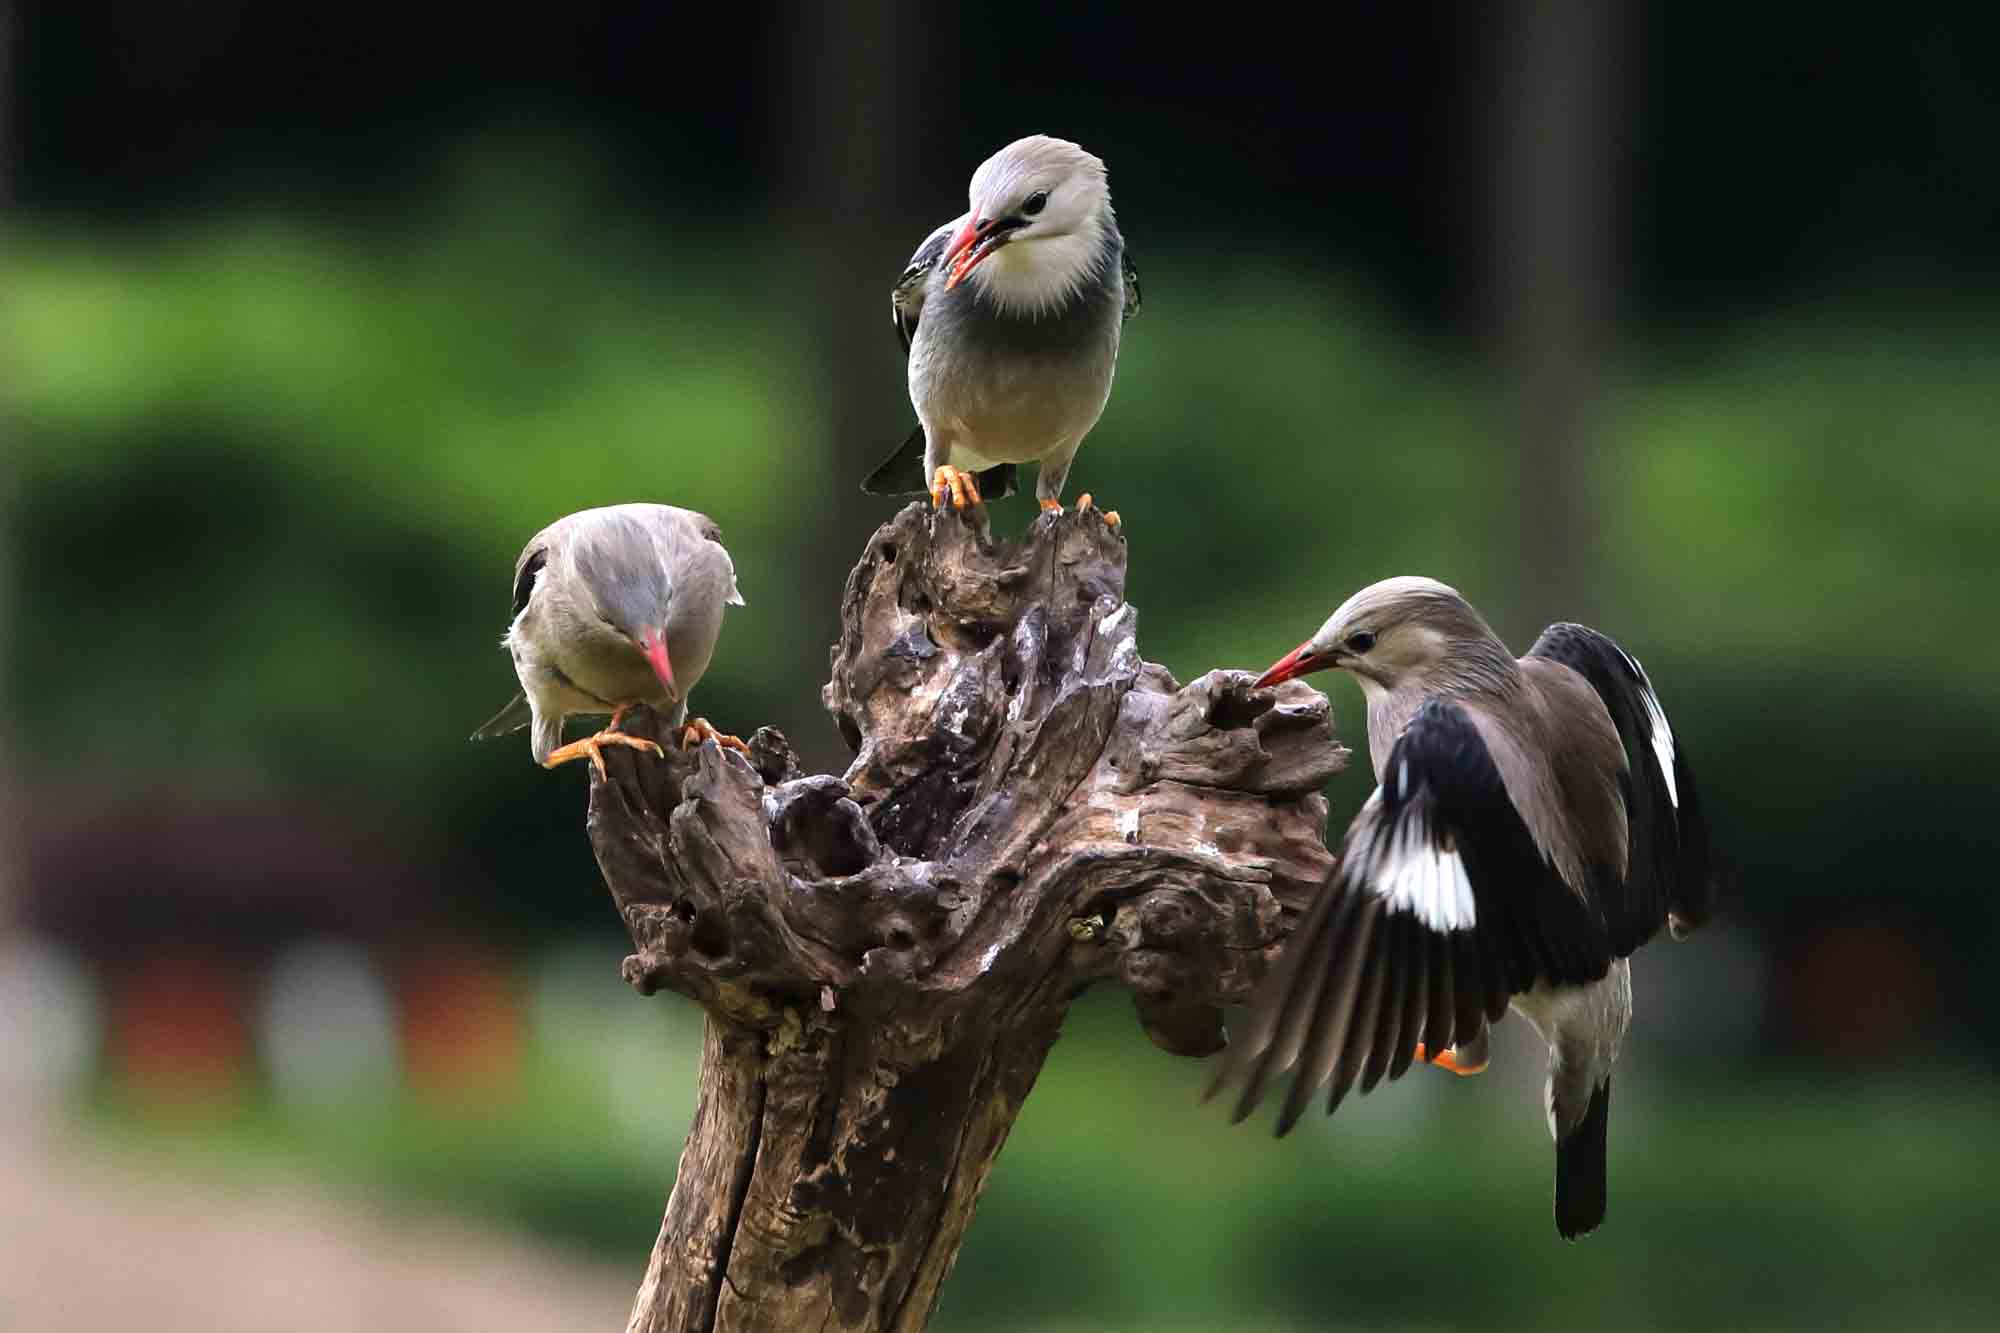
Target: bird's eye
[(1360, 642), (1035, 203)]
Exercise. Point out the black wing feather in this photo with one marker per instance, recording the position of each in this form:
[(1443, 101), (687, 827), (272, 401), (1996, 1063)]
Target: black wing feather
[(524, 579), (1441, 1013), (1367, 977), (1317, 1000), (1416, 1002), (1383, 1025), (1360, 1033), (906, 298), (1669, 869)]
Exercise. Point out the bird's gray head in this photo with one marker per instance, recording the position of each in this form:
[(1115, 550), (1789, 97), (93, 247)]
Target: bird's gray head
[(1035, 232), (651, 570), (1402, 631)]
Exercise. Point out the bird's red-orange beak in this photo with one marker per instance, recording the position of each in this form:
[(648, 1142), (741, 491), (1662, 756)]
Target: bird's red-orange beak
[(1301, 661), (975, 241), (653, 643)]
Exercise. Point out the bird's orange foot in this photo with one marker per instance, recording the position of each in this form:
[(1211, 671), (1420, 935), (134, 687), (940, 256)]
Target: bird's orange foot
[(957, 483), (699, 729), (1049, 506), (593, 746), (1447, 1059), (1084, 502)]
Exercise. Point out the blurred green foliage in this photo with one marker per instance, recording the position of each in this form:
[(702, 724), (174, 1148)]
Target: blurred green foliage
[(271, 479), (1122, 1202)]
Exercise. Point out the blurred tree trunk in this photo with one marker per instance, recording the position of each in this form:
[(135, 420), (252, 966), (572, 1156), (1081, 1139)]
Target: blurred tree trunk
[(1558, 181), (886, 957), (868, 81), (10, 848)]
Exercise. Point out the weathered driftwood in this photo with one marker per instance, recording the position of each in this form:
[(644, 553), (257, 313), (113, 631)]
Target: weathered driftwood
[(886, 957)]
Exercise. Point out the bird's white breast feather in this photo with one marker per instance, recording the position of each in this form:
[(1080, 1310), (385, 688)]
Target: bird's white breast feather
[(1415, 875)]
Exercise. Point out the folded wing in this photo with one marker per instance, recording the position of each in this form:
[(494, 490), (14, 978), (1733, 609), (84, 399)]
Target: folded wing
[(1669, 870), (902, 472)]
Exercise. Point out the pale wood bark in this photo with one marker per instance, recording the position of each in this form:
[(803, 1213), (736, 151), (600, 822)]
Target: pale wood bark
[(886, 957)]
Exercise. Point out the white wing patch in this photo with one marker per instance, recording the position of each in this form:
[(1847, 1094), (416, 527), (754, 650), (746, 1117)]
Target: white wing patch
[(1417, 876), (1661, 734), (1663, 742)]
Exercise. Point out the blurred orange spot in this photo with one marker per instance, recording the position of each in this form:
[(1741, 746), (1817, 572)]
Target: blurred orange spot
[(179, 1035), (462, 1033)]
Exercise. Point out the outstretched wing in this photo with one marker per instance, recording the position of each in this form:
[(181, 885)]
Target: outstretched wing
[(906, 299), (1442, 907), (1670, 875), (1131, 284)]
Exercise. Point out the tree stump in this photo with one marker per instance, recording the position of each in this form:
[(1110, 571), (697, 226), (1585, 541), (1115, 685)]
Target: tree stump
[(886, 957)]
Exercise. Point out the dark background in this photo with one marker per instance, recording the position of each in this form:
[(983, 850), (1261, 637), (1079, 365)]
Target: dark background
[(1678, 318), (1767, 153)]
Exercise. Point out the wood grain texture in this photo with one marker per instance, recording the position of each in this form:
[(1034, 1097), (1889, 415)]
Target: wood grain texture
[(886, 957)]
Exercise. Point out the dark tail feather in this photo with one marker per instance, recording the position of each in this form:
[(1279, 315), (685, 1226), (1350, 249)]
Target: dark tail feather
[(902, 473), (1580, 1177), (513, 717), (1693, 901)]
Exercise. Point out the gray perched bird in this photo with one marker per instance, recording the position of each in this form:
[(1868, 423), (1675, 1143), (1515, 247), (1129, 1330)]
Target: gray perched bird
[(613, 608), (1535, 822), (1010, 316)]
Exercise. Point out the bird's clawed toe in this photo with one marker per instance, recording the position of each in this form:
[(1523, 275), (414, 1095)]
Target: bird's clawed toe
[(593, 748), (1448, 1059), (1084, 503), (700, 729), (961, 486), (1050, 506)]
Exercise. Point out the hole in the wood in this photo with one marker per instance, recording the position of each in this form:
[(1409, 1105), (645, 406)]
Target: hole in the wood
[(900, 938), (710, 939), (1232, 710), (826, 839), (684, 911), (979, 633), (888, 553), (850, 733), (1006, 880), (920, 603)]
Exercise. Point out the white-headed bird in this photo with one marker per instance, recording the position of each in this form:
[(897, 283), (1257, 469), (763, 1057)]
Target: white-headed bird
[(1011, 315)]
